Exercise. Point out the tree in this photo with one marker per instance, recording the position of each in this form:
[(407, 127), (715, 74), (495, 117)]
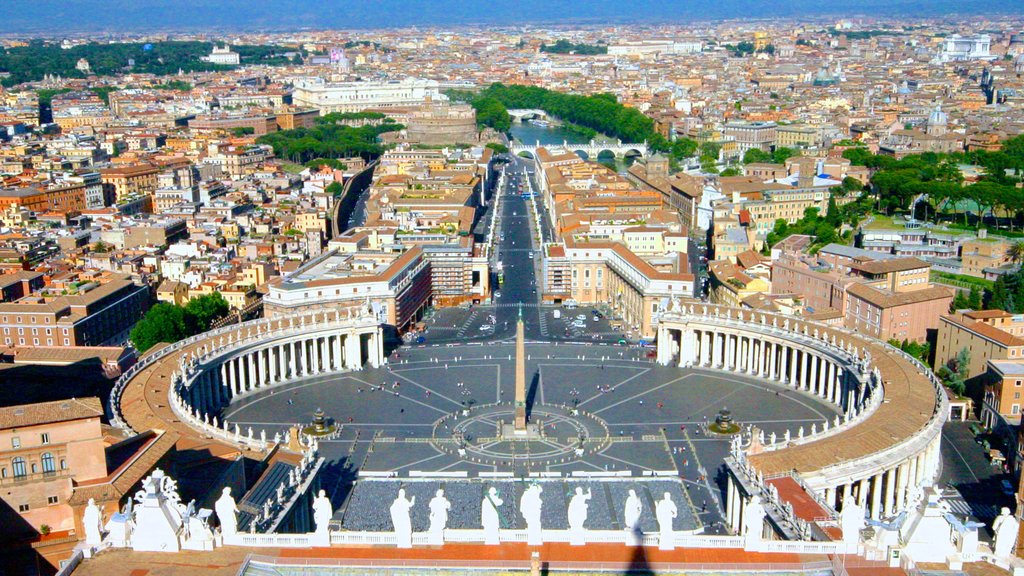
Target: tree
[(756, 156), (490, 112), (1016, 252), (498, 148), (202, 311), (334, 189), (974, 298), (162, 323), (959, 302), (730, 171)]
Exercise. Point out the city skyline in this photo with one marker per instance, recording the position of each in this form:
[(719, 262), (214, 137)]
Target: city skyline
[(24, 16)]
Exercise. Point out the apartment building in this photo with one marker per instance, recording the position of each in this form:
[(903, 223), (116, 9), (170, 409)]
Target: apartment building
[(396, 285), (751, 135), (54, 458), (985, 334), (101, 313), (606, 273), (130, 182)]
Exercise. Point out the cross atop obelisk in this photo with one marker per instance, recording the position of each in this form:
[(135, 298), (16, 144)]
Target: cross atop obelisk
[(520, 417)]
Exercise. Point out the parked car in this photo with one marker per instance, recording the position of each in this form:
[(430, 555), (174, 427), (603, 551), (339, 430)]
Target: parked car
[(1007, 488)]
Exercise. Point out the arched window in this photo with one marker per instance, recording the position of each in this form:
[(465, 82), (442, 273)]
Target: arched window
[(48, 467), (19, 467)]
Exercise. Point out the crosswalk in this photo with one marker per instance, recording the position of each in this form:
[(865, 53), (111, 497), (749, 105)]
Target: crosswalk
[(465, 325), (960, 507), (544, 325)]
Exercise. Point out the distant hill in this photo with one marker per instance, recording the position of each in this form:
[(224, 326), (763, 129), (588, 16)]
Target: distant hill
[(56, 17)]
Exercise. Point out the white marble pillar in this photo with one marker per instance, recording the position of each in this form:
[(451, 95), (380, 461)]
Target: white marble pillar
[(250, 372), (876, 493), (793, 364), (352, 359), (889, 500), (336, 360), (813, 381), (901, 485)]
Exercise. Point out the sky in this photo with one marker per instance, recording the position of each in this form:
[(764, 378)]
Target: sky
[(52, 17)]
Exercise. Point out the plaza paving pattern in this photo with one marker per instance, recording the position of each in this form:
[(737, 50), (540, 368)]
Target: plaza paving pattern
[(653, 415)]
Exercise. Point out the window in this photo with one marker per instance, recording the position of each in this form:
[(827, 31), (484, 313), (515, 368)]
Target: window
[(19, 467), (47, 460), (63, 464), (51, 500), (22, 507), (15, 442), (44, 438)]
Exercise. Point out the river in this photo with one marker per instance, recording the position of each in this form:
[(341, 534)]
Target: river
[(529, 133)]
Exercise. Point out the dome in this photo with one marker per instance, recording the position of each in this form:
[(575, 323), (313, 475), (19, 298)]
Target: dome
[(937, 117)]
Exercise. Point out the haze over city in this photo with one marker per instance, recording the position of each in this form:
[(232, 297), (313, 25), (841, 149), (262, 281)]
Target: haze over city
[(138, 15), (300, 288)]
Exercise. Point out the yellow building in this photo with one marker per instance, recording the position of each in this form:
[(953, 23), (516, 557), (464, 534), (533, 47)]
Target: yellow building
[(981, 253), (981, 333)]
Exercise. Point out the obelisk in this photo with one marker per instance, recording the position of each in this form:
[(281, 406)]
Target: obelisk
[(520, 423)]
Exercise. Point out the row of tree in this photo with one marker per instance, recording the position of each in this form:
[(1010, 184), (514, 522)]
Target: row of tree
[(564, 46), (169, 323), (896, 183), (329, 140), (600, 112), (39, 58)]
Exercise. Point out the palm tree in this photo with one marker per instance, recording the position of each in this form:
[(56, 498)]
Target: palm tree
[(1016, 252)]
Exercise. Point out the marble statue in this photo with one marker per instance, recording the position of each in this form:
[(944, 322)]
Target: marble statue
[(226, 510), (529, 507), (753, 520), (400, 519), (666, 511), (439, 507), (322, 512), (91, 520), (578, 515), (489, 515), (851, 520), (631, 515), (631, 519), (1005, 529)]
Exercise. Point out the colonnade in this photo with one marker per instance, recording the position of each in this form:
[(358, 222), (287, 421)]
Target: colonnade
[(274, 361), (830, 364), (760, 355)]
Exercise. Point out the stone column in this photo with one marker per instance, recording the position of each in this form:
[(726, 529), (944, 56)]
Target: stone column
[(876, 494), (772, 359), (901, 485), (263, 376), (804, 380), (353, 353), (380, 346), (794, 363), (837, 386), (783, 362), (314, 355), (336, 362), (224, 380), (889, 500), (252, 381), (815, 366)]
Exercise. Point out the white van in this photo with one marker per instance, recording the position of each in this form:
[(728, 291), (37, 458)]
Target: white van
[(557, 314)]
